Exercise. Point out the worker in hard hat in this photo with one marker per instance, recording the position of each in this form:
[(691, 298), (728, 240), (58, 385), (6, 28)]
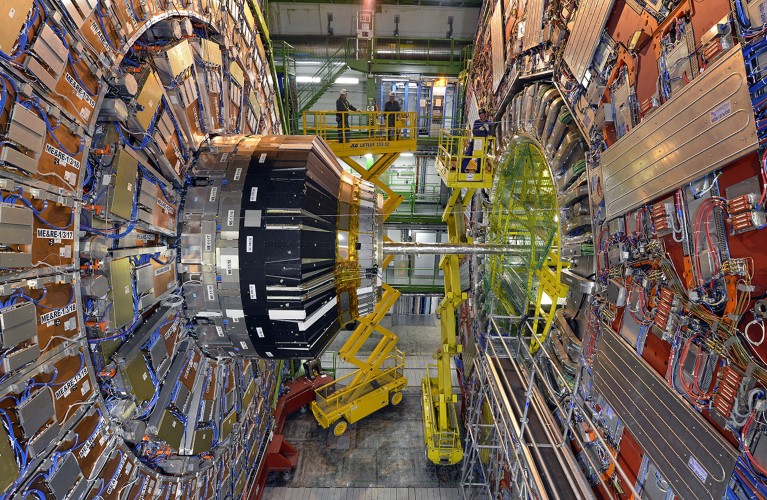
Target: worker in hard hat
[(481, 129), (391, 108), (342, 115)]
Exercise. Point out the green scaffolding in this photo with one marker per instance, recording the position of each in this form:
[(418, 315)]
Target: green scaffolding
[(524, 214)]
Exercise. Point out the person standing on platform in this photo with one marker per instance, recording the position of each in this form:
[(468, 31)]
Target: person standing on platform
[(391, 108), (482, 128), (342, 115)]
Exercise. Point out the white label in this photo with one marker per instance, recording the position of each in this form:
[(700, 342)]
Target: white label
[(249, 244), (170, 331), (260, 332), (262, 158), (253, 194), (11, 13), (235, 314), (56, 234), (99, 34), (162, 270), (697, 469), (145, 237), (58, 313), (65, 389), (208, 242), (269, 354), (237, 174), (243, 344), (229, 267), (70, 177), (81, 93), (720, 112), (62, 156), (113, 482), (469, 177), (230, 218), (70, 324), (213, 194), (86, 448), (219, 331), (211, 295), (165, 207), (252, 290)]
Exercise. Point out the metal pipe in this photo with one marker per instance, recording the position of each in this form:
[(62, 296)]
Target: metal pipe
[(406, 248)]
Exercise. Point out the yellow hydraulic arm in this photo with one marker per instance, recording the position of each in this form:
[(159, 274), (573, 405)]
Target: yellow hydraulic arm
[(441, 427), (378, 380), (464, 169)]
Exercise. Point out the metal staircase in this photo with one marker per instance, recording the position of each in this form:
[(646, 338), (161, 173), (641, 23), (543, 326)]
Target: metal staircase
[(332, 67)]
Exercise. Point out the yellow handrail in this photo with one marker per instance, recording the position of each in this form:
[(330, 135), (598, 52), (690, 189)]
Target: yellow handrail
[(465, 160), (362, 126)]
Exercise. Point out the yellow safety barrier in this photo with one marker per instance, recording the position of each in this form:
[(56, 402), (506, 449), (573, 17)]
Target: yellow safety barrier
[(366, 131), (378, 380), (465, 161)]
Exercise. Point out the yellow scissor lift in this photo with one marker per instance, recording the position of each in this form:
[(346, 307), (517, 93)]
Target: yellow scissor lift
[(460, 170), (379, 378)]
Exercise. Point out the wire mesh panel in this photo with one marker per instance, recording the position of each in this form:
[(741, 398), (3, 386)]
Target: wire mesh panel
[(524, 215)]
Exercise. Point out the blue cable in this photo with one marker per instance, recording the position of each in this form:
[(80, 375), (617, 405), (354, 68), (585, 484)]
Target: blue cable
[(144, 142), (100, 17), (30, 103)]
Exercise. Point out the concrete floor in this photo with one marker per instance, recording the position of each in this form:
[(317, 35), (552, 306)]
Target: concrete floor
[(381, 456)]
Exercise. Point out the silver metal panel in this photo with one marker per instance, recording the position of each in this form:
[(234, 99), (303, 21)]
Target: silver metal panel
[(17, 324), (35, 411), (590, 20), (51, 49), (707, 124), (534, 18), (26, 128), (10, 156), (79, 10), (690, 454)]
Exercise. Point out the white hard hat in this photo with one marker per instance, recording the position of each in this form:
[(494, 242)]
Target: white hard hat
[(392, 93), (344, 91)]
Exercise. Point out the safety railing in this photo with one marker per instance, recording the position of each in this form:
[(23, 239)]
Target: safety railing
[(543, 381), (465, 160), (441, 443), (361, 128), (332, 397)]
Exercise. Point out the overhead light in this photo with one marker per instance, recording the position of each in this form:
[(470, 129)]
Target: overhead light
[(347, 81), (307, 79), (406, 155)]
